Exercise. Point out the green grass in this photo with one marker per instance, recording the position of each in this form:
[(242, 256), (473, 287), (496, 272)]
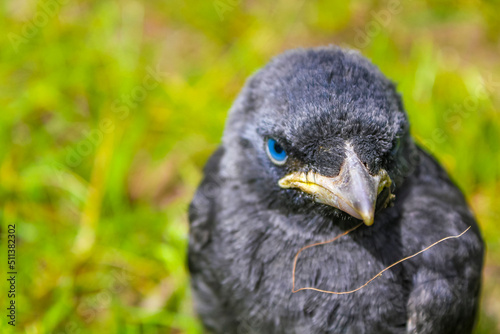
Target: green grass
[(98, 184)]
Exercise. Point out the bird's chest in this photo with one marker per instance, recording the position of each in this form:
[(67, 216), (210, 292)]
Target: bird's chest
[(259, 276)]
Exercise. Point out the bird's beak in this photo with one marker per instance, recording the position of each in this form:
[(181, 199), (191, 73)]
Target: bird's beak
[(353, 190)]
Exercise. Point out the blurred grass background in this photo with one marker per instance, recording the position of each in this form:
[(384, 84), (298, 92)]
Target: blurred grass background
[(111, 108)]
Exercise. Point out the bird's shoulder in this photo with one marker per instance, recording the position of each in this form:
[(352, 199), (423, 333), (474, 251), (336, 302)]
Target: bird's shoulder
[(203, 207), (433, 207), (430, 187), (202, 258), (445, 278)]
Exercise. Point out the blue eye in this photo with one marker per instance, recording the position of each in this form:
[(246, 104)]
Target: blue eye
[(275, 152)]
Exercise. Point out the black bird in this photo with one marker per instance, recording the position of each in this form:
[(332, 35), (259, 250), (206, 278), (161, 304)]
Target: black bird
[(317, 141)]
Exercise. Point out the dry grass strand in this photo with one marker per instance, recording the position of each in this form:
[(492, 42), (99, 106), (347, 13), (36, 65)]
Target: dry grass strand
[(374, 277)]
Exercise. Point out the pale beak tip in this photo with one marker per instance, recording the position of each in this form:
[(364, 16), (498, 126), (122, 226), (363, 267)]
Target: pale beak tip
[(368, 218)]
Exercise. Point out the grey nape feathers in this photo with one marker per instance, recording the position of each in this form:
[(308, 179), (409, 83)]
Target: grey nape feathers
[(317, 141)]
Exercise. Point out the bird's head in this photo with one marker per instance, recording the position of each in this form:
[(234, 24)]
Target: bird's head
[(319, 129)]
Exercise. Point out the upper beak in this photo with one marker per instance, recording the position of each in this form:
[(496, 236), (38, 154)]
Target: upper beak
[(353, 190)]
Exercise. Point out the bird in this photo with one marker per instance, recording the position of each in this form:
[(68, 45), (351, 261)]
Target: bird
[(316, 143)]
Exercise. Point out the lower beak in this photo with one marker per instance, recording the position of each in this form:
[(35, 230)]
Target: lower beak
[(353, 191)]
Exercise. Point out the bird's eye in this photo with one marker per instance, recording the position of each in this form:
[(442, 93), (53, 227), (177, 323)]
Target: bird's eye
[(275, 152), (395, 146)]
